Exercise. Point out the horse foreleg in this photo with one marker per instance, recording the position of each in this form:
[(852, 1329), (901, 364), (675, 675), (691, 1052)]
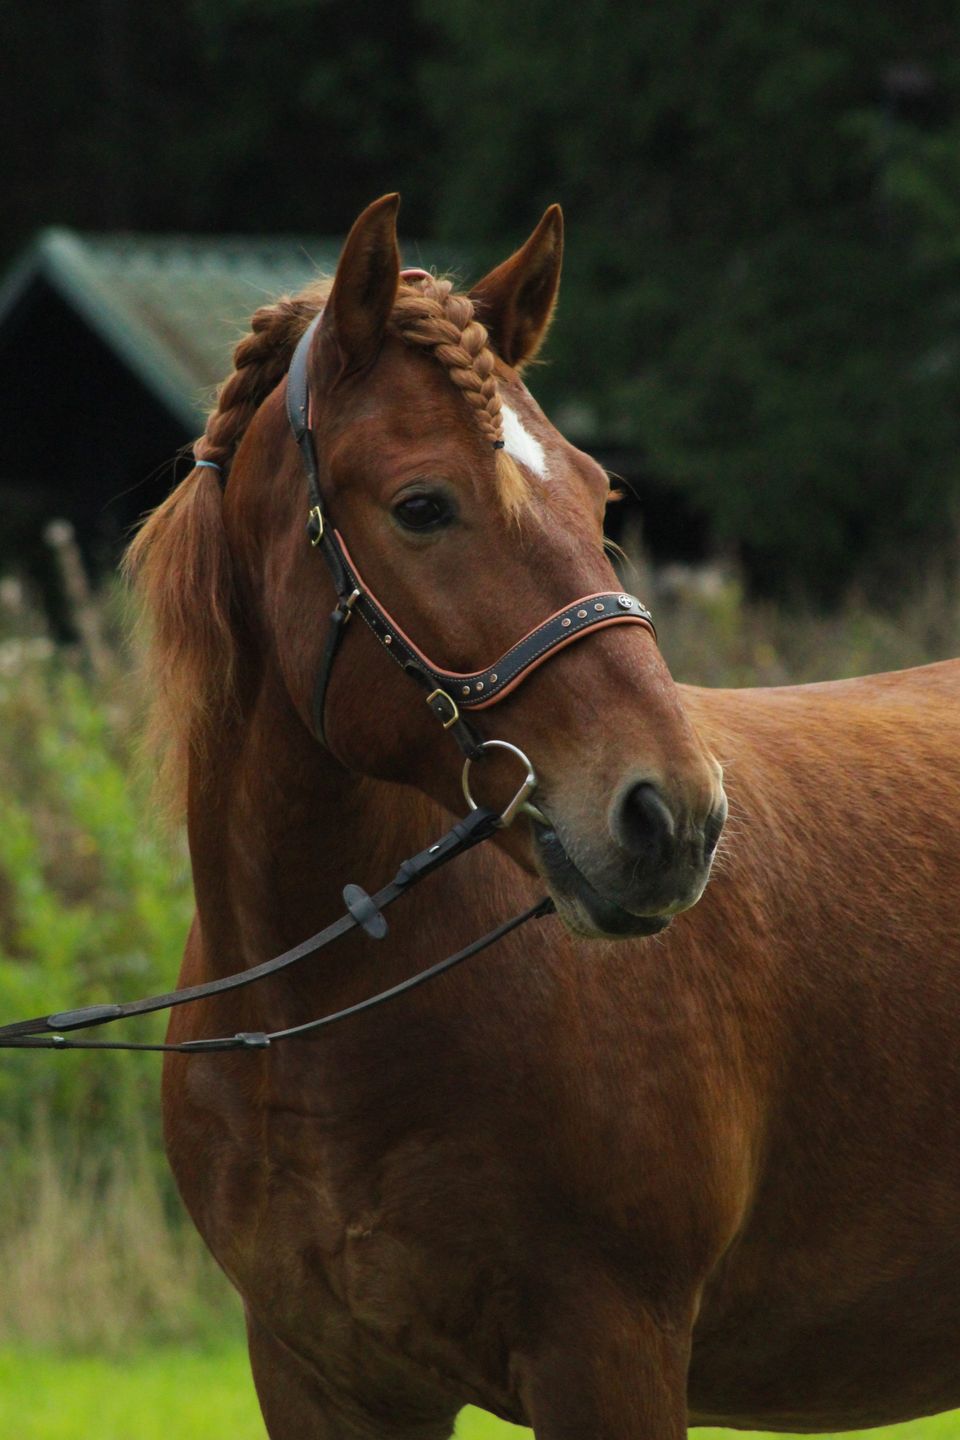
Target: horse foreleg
[(300, 1403), (618, 1379)]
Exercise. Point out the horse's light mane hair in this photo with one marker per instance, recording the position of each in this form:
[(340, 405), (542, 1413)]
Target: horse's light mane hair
[(433, 316), (179, 562)]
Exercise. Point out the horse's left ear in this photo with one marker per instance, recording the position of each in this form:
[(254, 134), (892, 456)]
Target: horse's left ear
[(515, 301), (364, 288)]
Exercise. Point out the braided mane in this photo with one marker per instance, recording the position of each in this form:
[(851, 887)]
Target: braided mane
[(428, 314), (179, 562)]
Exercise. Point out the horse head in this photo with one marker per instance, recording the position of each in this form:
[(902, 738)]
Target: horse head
[(471, 520)]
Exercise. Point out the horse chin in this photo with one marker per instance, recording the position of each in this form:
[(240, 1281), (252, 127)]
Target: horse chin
[(581, 908)]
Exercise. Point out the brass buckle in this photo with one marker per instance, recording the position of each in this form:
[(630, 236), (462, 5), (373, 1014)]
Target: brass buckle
[(519, 801), (316, 514), (455, 716)]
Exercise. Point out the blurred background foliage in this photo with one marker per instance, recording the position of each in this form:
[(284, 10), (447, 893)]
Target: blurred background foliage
[(763, 201), (95, 901)]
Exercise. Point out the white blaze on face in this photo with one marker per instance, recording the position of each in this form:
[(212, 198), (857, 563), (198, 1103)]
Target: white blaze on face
[(523, 446)]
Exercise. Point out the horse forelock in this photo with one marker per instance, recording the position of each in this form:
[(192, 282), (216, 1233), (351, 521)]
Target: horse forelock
[(428, 314), (179, 564), (431, 315)]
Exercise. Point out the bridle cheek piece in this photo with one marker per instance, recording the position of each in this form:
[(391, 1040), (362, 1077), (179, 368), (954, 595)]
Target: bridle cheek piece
[(451, 694)]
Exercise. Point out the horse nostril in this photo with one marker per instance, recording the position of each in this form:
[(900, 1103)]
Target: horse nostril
[(648, 827), (711, 834), (712, 828)]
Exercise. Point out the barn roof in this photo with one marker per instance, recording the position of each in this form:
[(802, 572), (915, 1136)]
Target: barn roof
[(171, 307)]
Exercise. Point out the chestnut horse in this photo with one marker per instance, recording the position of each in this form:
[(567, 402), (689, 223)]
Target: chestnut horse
[(597, 1183)]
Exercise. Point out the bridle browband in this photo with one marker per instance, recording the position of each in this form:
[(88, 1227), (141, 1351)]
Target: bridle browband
[(450, 693)]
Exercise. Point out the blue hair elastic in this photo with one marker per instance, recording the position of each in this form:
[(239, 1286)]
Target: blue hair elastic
[(207, 465)]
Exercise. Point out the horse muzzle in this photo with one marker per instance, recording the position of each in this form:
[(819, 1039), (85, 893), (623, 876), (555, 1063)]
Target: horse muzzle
[(649, 868)]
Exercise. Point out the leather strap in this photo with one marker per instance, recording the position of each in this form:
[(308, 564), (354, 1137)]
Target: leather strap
[(298, 409), (478, 826), (478, 689), (261, 1040)]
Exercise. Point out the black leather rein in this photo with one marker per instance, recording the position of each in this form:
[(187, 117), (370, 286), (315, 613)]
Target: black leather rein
[(450, 692), (363, 910)]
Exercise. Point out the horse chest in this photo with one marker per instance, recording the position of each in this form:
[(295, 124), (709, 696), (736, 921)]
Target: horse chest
[(347, 1249)]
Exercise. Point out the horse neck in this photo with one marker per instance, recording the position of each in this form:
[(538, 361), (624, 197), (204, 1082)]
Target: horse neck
[(277, 828)]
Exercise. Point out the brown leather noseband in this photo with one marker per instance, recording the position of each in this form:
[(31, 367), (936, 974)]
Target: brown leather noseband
[(449, 691)]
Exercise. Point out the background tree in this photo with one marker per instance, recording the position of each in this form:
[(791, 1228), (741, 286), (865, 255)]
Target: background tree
[(762, 285), (252, 116)]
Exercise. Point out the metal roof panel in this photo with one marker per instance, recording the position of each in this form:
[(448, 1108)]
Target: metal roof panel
[(173, 307)]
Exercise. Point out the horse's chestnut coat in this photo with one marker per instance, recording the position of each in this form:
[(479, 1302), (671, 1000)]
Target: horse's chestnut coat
[(598, 1187)]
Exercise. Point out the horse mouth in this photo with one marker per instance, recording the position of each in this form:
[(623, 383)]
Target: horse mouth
[(580, 906)]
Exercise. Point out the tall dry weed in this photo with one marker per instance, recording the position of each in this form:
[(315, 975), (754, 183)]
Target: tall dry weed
[(93, 1256)]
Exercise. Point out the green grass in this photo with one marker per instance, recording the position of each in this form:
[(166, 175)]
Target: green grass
[(180, 1394), (152, 1396)]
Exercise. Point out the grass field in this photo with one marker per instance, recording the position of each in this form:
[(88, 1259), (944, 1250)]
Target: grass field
[(179, 1394)]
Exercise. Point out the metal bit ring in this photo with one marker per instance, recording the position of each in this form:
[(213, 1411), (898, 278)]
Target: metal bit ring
[(519, 800)]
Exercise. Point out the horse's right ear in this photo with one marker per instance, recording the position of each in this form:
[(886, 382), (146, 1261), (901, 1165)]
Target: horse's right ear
[(516, 300), (364, 291)]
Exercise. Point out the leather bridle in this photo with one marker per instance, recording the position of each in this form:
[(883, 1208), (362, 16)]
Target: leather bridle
[(450, 693)]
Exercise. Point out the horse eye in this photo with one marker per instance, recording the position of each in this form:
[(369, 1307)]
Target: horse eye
[(423, 512)]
